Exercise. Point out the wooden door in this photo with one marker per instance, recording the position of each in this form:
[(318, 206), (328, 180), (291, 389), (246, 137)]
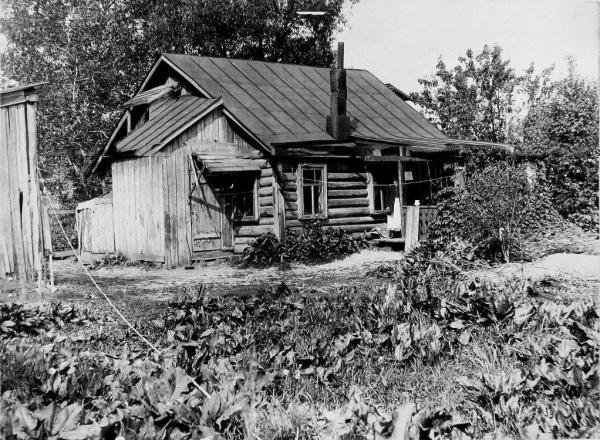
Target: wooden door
[(211, 227)]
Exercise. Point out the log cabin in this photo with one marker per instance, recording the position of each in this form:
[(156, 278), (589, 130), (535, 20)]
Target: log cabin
[(212, 152)]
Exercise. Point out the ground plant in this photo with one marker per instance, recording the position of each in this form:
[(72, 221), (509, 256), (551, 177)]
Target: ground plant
[(432, 353), (313, 243), (499, 211)]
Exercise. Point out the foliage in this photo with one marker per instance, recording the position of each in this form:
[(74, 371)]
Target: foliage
[(95, 53), (552, 121), (255, 354), (19, 320), (110, 260), (562, 128), (312, 244), (475, 99), (499, 207)]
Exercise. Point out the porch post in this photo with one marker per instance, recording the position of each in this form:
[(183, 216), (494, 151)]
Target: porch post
[(278, 203), (401, 192)]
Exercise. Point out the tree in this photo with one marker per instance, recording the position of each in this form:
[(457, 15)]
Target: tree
[(94, 53), (475, 99), (561, 127)]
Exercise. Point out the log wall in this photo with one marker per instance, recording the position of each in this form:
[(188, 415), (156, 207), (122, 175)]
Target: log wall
[(347, 197)]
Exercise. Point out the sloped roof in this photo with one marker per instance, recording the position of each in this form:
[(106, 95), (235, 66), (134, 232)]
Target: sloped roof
[(282, 103), (174, 116), (218, 163)]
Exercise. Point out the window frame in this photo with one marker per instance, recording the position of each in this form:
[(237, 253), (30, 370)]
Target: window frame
[(255, 201), (300, 190), (371, 194)]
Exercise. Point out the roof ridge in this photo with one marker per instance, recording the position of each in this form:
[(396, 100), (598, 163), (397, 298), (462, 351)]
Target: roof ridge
[(258, 61)]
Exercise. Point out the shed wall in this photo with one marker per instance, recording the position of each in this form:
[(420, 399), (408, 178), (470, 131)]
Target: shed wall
[(95, 227), (139, 206), (20, 248)]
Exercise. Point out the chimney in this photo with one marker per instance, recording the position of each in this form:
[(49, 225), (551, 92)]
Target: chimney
[(338, 122)]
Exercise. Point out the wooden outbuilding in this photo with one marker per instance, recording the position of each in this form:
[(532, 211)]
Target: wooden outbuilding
[(212, 152), (20, 230)]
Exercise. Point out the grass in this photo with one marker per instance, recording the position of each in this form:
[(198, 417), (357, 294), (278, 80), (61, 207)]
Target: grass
[(319, 348)]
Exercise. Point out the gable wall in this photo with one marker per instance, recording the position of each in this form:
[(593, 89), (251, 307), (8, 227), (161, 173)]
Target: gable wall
[(138, 206), (177, 186)]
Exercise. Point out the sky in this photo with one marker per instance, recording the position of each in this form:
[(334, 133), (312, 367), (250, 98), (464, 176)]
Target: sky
[(401, 40)]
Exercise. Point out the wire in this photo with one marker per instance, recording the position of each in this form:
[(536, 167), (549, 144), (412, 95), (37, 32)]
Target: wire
[(142, 337)]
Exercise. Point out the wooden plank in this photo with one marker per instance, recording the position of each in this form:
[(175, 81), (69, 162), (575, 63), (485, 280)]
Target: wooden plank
[(239, 248), (265, 182), (14, 172), (252, 230), (266, 211), (338, 203), (265, 201), (348, 212), (347, 193), (333, 176), (244, 240), (346, 185), (358, 228), (183, 250), (265, 191), (6, 245), (368, 221), (267, 221), (411, 232)]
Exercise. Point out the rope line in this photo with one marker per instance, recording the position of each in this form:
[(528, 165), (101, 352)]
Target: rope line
[(142, 337)]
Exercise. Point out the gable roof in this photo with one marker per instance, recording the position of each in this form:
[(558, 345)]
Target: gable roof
[(281, 103), (277, 104), (175, 116)]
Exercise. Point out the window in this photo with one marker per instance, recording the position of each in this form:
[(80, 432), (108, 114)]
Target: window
[(312, 185), (237, 193), (245, 197), (383, 182)]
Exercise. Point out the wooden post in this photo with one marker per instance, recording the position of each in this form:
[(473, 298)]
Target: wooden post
[(278, 203), (401, 192), (412, 226), (47, 240)]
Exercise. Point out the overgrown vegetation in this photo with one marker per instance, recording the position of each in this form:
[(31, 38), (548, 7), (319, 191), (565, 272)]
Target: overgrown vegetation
[(498, 212), (475, 358), (552, 121), (118, 259), (312, 244)]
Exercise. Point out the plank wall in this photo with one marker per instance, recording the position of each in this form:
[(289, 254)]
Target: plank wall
[(138, 206), (347, 197), (20, 247), (177, 185)]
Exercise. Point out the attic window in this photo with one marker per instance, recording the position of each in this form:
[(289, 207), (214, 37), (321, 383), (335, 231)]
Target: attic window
[(139, 115)]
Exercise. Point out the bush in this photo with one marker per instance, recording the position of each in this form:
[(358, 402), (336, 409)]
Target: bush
[(312, 244), (496, 212)]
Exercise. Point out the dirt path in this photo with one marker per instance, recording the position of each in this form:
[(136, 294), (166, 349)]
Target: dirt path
[(222, 278)]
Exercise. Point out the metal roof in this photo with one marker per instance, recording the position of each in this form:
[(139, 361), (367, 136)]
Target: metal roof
[(175, 116), (282, 103)]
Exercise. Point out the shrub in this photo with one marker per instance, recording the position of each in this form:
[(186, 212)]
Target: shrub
[(312, 244), (496, 212)]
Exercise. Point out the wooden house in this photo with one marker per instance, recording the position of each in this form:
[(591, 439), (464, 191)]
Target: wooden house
[(212, 152), (20, 226)]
